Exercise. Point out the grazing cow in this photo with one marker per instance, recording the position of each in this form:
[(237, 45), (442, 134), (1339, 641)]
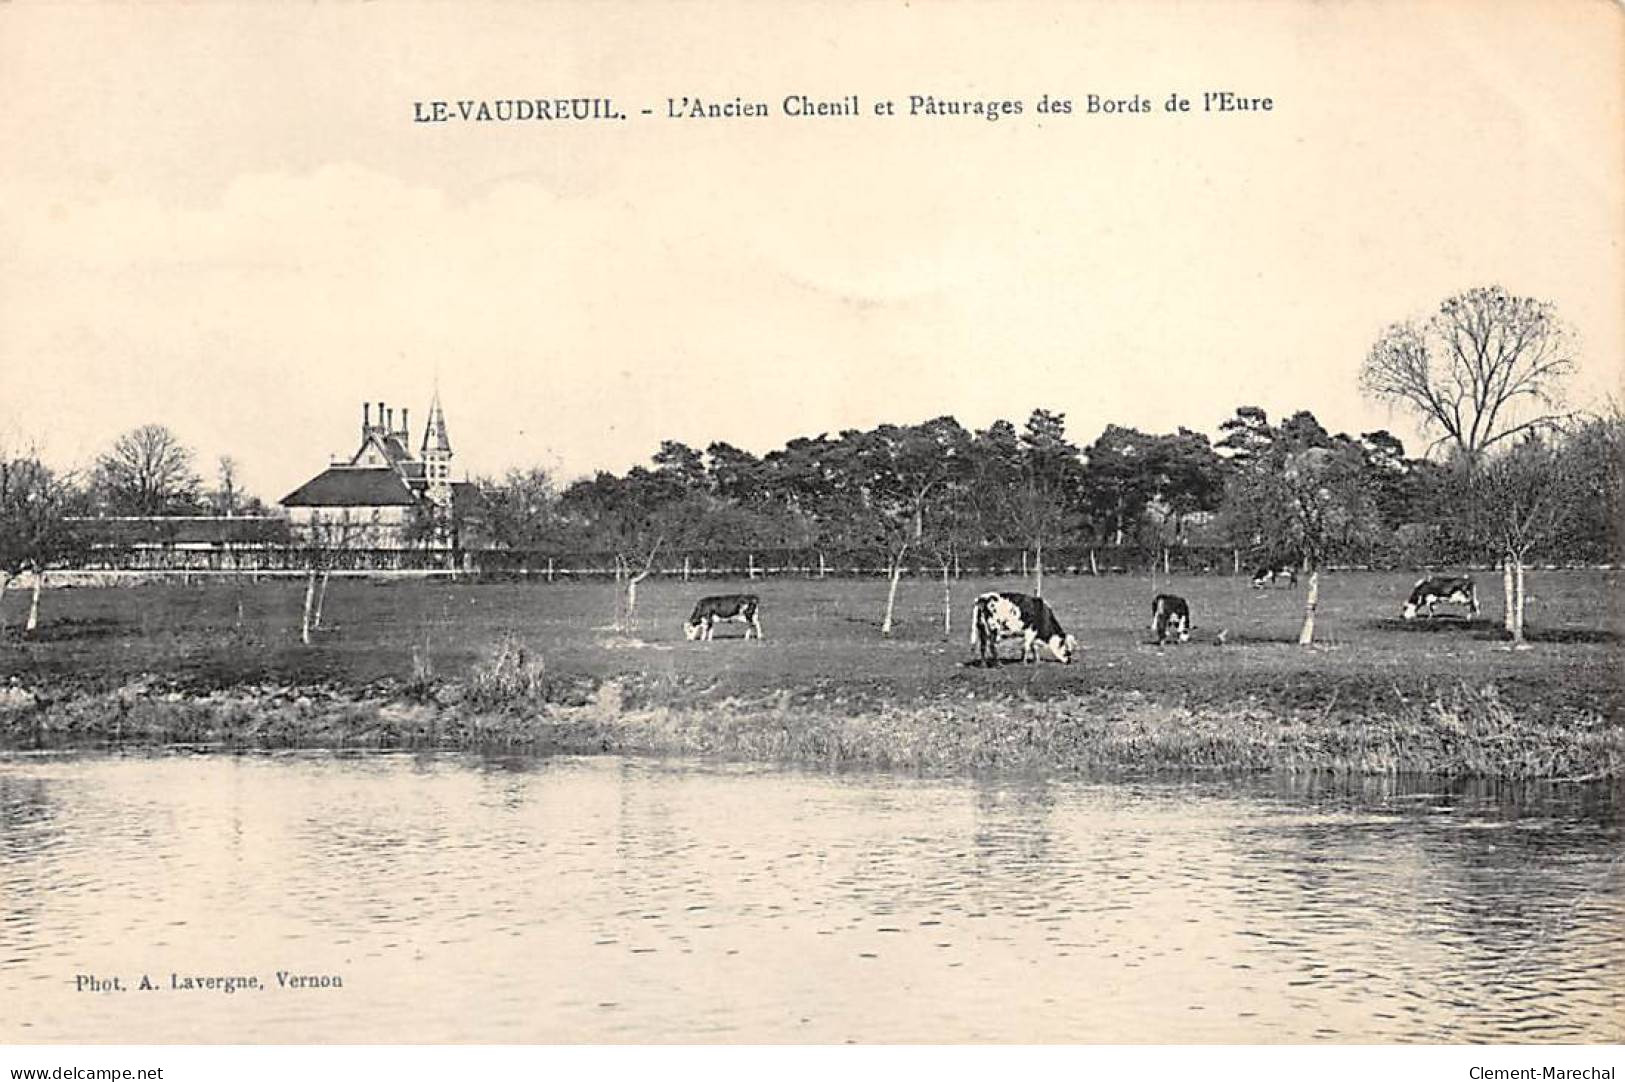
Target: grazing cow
[(1427, 592), (710, 611), (1170, 615), (1007, 616), (1266, 575)]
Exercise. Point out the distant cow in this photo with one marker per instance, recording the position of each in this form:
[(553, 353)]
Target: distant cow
[(1170, 615), (710, 611), (1266, 575), (1427, 592), (1007, 616)]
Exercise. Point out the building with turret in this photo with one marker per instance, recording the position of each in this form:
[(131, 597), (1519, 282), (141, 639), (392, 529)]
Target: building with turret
[(381, 496)]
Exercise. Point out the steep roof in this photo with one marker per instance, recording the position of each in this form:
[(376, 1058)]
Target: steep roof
[(434, 433), (350, 486), (389, 446)]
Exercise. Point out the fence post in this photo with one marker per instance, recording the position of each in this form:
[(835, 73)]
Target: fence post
[(1235, 559), (750, 565), (550, 569), (821, 568), (685, 567)]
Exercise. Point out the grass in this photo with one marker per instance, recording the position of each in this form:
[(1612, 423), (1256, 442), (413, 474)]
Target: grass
[(415, 663)]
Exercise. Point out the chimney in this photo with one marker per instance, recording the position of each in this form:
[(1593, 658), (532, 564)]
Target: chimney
[(406, 427), (366, 417), (389, 425), (380, 413)]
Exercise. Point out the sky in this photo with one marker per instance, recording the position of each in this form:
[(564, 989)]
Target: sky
[(222, 218)]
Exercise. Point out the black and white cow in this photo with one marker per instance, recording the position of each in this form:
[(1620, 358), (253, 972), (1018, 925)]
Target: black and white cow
[(1428, 592), (1266, 575), (1007, 616), (1170, 615), (711, 611)]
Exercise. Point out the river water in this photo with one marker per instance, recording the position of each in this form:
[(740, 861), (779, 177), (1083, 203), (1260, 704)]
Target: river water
[(459, 898)]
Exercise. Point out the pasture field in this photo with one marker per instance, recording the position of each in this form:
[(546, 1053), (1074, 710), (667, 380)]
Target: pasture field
[(823, 654)]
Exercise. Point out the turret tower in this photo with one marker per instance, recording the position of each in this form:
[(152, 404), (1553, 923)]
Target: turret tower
[(436, 455)]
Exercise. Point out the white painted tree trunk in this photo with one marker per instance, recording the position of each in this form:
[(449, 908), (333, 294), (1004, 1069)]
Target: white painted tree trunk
[(33, 605), (891, 594), (1165, 571), (550, 569), (1518, 641), (822, 569), (310, 605), (1306, 634), (947, 605), (321, 599), (5, 584), (685, 568), (1509, 619), (1094, 568), (1038, 570), (750, 565), (1235, 561), (632, 596)]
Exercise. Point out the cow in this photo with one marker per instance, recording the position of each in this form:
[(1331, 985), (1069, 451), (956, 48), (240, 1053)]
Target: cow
[(710, 611), (1429, 591), (1007, 616), (1266, 575), (1170, 614)]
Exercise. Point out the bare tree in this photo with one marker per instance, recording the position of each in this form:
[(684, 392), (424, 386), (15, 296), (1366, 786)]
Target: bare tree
[(1487, 366), (328, 540), (228, 494), (1313, 502), (34, 528), (147, 471), (1530, 493)]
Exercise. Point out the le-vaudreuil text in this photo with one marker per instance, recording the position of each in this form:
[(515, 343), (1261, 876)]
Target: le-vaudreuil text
[(800, 106)]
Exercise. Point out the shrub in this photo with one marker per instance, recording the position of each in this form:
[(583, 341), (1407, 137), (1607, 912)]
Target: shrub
[(509, 676)]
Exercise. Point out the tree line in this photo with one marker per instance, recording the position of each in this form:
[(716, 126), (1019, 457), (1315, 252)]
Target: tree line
[(1512, 477)]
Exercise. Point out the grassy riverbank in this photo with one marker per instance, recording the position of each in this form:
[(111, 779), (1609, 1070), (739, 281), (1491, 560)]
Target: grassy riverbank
[(437, 665)]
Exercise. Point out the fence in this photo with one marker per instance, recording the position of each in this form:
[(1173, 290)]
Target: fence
[(565, 566), (711, 563)]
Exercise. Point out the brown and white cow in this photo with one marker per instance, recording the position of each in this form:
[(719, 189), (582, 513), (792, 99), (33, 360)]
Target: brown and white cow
[(1170, 615), (1430, 591), (710, 611), (1008, 616)]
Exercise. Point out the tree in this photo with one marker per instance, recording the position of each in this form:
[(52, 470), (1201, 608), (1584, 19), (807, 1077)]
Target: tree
[(1486, 367), (1246, 435), (227, 497), (1029, 481), (147, 471), (518, 512), (1596, 452), (35, 532), (1191, 477), (733, 475), (1313, 502), (328, 539), (1123, 474), (878, 486), (1530, 492)]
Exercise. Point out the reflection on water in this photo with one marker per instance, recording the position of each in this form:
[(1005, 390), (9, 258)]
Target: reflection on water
[(461, 899)]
